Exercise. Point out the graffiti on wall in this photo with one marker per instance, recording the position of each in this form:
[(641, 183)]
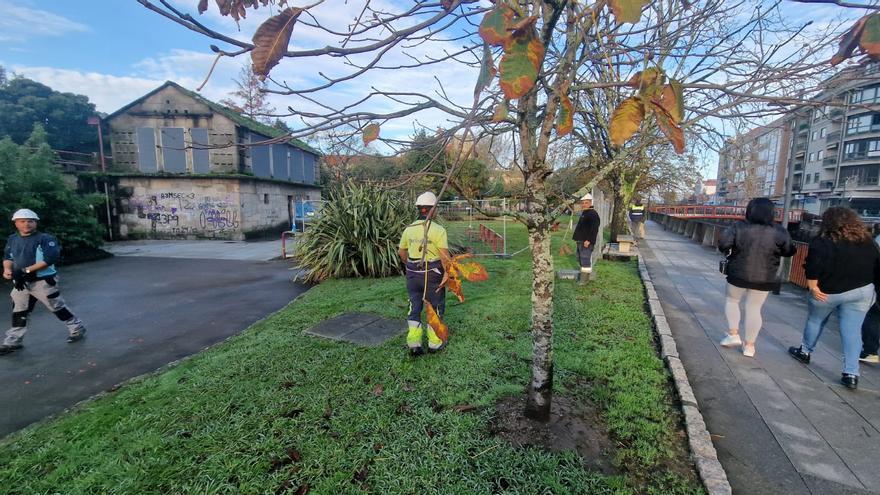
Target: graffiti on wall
[(185, 214)]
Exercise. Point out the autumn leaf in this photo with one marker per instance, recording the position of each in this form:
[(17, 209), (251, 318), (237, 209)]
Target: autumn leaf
[(627, 10), (565, 117), (447, 4), (494, 28), (436, 323), (454, 285), (271, 40), (371, 133), (849, 41), (646, 78), (672, 101), (869, 42), (500, 114), (565, 250), (673, 132), (521, 63), (626, 119), (203, 6), (378, 390), (487, 71), (472, 272)]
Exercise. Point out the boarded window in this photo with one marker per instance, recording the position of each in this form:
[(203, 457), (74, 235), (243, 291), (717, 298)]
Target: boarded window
[(201, 155), (279, 162), (260, 161), (173, 150), (146, 143), (309, 168), (296, 165)]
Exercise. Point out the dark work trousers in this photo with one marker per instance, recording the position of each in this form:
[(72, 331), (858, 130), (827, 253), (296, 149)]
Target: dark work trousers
[(585, 255), (871, 331), (415, 286)]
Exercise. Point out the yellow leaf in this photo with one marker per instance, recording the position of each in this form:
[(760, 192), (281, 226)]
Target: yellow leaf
[(500, 114), (565, 117), (627, 10), (370, 133), (626, 119), (673, 132)]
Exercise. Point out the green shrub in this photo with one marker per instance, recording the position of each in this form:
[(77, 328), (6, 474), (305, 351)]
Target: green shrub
[(28, 179), (355, 235)]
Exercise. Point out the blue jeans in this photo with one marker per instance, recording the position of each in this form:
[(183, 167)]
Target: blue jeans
[(851, 308)]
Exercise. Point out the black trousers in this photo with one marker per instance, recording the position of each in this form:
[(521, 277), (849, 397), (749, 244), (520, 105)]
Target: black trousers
[(871, 331), (415, 287)]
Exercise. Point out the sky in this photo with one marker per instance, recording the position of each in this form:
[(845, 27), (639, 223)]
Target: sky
[(115, 51)]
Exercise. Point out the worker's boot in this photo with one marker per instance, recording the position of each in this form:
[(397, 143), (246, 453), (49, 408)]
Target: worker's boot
[(584, 275), (435, 343), (414, 338)]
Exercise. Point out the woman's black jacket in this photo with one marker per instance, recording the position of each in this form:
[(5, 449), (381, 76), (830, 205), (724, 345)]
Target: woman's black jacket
[(756, 249)]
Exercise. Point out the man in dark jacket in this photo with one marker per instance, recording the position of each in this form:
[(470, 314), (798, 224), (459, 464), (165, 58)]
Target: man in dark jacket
[(29, 261), (585, 236)]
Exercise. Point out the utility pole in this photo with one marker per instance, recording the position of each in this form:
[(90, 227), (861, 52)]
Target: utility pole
[(96, 121)]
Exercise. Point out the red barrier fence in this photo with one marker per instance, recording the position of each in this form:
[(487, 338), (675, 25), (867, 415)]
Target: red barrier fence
[(490, 237), (796, 274), (721, 212)]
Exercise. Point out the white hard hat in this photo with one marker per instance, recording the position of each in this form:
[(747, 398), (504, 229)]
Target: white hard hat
[(25, 213), (587, 197), (426, 199)]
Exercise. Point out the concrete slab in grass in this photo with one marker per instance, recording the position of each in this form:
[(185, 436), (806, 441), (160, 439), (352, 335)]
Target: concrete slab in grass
[(364, 329)]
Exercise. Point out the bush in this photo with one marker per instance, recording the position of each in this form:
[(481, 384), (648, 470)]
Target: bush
[(356, 234), (28, 179)]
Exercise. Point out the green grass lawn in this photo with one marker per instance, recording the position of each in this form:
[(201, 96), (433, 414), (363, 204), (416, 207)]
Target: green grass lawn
[(273, 410)]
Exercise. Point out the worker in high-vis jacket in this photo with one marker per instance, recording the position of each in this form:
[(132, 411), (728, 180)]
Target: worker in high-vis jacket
[(29, 261), (425, 252)]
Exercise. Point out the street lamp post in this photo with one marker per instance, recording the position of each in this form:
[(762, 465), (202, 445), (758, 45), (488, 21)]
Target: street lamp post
[(96, 121)]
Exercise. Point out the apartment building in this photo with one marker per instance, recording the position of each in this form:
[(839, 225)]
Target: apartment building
[(830, 149)]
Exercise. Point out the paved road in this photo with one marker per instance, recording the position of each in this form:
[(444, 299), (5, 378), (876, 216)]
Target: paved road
[(142, 313), (778, 426), (216, 250)]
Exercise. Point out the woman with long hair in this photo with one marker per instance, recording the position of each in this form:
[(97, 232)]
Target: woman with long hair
[(842, 266), (755, 247)]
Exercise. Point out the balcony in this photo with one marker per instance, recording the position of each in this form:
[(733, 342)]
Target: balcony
[(799, 167), (832, 138), (836, 113), (852, 182), (831, 161), (826, 184), (803, 126)]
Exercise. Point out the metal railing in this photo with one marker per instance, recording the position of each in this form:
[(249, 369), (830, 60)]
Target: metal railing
[(718, 212)]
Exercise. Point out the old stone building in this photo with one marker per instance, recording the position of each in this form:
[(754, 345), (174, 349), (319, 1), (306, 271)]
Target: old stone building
[(187, 167)]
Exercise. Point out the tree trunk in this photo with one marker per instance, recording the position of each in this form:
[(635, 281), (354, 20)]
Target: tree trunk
[(540, 392), (618, 216)]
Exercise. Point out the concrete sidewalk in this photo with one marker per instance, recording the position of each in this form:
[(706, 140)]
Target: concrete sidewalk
[(778, 426), (204, 249)]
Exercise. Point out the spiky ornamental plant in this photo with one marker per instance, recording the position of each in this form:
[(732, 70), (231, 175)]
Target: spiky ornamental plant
[(356, 234)]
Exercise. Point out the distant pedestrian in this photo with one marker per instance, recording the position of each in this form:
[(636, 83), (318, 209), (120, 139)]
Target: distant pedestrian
[(871, 326), (637, 218), (755, 246), (425, 252), (842, 268), (29, 261), (585, 234)]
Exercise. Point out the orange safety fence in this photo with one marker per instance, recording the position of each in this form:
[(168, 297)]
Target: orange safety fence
[(490, 237)]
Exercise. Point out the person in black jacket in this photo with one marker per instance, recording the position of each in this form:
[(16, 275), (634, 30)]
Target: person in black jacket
[(585, 234), (755, 247), (842, 266)]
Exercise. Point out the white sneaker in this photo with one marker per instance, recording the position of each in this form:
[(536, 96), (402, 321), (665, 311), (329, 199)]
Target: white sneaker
[(870, 358), (731, 340), (749, 350)]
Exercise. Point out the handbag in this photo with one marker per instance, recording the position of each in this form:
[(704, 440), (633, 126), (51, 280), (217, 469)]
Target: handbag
[(722, 265)]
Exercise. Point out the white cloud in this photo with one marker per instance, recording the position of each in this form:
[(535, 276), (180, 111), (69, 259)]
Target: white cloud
[(19, 23)]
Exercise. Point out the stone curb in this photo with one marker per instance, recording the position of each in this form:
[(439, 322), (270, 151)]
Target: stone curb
[(702, 450)]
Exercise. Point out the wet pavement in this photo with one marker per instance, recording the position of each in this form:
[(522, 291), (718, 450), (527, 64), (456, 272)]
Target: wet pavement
[(141, 313)]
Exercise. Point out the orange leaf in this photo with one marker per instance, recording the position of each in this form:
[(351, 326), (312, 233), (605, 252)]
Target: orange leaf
[(565, 117), (672, 100), (869, 41), (673, 132), (271, 40), (521, 63), (849, 41), (371, 133), (454, 285), (436, 323), (626, 119), (473, 272)]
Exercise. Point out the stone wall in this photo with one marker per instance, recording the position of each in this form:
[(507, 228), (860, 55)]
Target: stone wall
[(203, 208)]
